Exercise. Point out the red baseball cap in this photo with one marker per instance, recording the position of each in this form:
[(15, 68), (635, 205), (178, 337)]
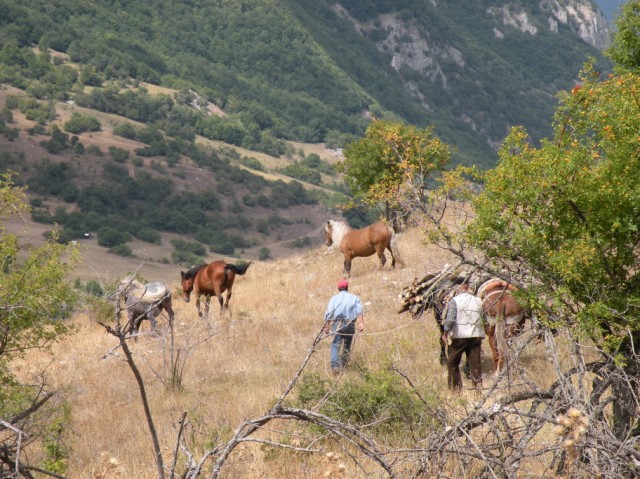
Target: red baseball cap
[(342, 284)]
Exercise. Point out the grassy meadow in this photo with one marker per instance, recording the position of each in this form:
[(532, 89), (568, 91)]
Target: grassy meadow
[(238, 364)]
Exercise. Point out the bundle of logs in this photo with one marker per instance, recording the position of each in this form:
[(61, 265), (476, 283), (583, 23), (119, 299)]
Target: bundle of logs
[(418, 297)]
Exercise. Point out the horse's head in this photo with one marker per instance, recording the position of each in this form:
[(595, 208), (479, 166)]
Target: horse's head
[(329, 233), (187, 286)]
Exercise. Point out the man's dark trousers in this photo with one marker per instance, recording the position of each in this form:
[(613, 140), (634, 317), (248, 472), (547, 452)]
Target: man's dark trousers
[(471, 347)]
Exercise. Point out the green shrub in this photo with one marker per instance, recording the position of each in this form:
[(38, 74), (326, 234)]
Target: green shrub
[(12, 102), (112, 237), (125, 130), (302, 172), (121, 250), (302, 242), (37, 130), (81, 123), (58, 141), (79, 148), (93, 288), (101, 309), (264, 254), (40, 215), (193, 247), (56, 453), (185, 258), (253, 163), (94, 150), (149, 235), (379, 398), (119, 154)]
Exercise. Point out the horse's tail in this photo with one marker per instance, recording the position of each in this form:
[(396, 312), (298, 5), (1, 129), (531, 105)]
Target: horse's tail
[(238, 268), (393, 245)]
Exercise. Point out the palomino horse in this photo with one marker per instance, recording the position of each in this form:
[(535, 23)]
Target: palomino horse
[(363, 242), (145, 301), (505, 317), (211, 279)]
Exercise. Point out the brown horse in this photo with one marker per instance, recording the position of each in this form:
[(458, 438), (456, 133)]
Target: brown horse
[(363, 242), (505, 317), (211, 279)]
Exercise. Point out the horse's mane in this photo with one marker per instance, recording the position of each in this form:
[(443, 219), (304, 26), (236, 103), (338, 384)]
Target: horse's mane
[(191, 273), (339, 229)]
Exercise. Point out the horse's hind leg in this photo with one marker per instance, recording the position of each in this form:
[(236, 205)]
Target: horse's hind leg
[(492, 339), (221, 301), (381, 256), (383, 260), (154, 324), (393, 258), (207, 302), (347, 267), (152, 319), (226, 303), (169, 310)]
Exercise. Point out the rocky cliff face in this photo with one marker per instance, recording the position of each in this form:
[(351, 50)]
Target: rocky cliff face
[(487, 66), (413, 47), (581, 16)]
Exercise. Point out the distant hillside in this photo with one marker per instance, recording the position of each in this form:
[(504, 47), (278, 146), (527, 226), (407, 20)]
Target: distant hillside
[(187, 124), (316, 70), (185, 200)]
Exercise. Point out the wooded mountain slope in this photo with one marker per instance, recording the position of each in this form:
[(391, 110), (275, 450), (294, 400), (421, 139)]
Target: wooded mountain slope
[(316, 70)]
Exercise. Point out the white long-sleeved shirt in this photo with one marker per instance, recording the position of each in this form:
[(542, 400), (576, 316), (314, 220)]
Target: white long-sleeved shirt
[(464, 317)]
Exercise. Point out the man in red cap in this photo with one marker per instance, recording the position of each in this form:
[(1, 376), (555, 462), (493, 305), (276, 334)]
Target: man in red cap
[(340, 317)]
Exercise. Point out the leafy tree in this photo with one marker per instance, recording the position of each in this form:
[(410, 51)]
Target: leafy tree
[(81, 123), (34, 297), (625, 47), (195, 248), (567, 214), (58, 141), (126, 130), (147, 234), (303, 173), (391, 162), (112, 237)]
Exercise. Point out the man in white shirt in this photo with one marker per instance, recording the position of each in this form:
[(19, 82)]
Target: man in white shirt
[(463, 332)]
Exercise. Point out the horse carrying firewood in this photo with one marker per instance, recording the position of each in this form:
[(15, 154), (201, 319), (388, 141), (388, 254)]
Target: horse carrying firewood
[(432, 292), (504, 315)]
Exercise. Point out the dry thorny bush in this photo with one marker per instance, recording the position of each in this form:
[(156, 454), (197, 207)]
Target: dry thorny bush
[(513, 427)]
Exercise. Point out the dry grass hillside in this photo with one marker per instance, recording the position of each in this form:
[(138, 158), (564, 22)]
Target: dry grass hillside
[(251, 354)]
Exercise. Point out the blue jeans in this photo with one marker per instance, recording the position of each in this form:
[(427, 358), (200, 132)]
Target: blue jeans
[(341, 344)]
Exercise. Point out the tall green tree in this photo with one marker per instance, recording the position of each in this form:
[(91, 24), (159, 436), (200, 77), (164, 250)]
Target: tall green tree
[(34, 298), (625, 47), (568, 214), (393, 163)]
